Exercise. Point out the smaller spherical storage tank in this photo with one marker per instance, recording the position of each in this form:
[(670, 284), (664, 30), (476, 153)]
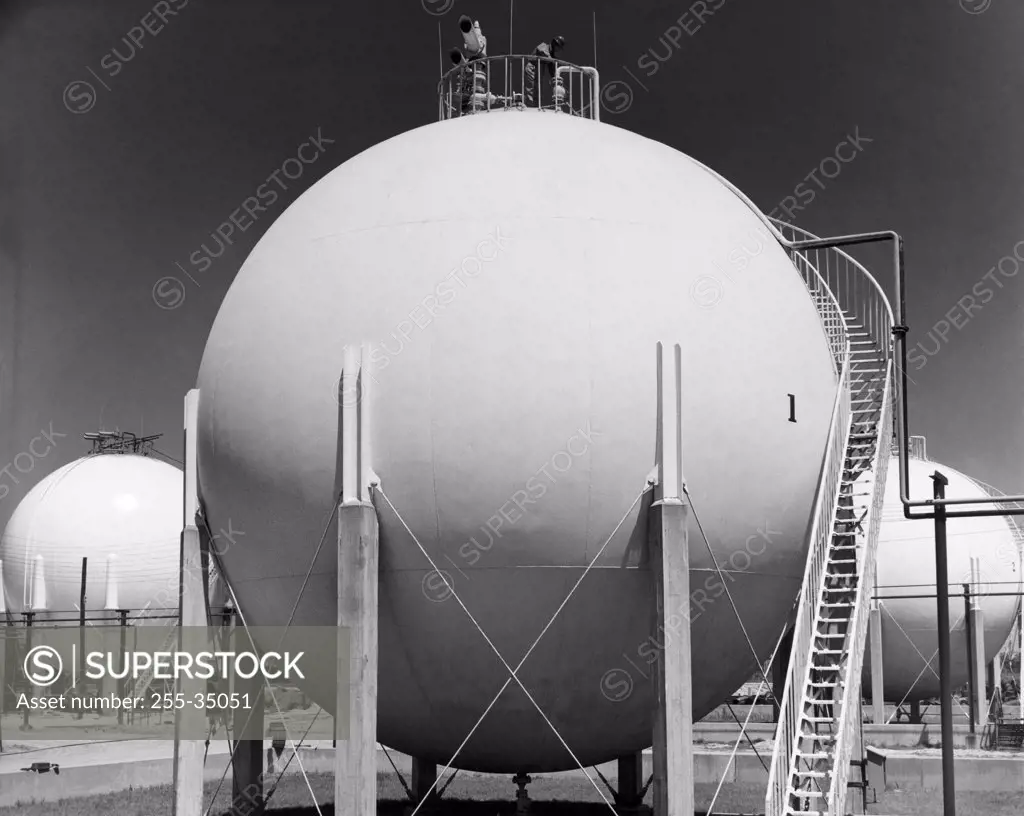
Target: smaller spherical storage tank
[(906, 566), (124, 505)]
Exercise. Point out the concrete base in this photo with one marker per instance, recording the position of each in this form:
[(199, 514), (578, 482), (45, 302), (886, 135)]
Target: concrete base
[(901, 769), (885, 767), (883, 736)]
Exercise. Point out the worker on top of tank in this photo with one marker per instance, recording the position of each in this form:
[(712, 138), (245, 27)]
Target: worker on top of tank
[(545, 53), (470, 91)]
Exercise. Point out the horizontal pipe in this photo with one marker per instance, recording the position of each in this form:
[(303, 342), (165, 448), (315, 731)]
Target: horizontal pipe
[(951, 595), (965, 514)]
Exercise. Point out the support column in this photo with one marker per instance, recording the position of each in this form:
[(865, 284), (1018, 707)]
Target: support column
[(780, 668), (3, 655), (247, 730), (355, 758), (424, 782), (939, 483), (875, 659), (630, 782), (190, 721), (856, 796), (111, 605), (976, 622), (670, 567)]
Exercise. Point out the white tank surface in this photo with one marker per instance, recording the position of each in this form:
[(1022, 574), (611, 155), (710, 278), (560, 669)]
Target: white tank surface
[(514, 272), (121, 511), (906, 566)]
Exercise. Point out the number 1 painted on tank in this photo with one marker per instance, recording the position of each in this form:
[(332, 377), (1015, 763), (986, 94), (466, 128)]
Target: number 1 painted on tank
[(792, 407)]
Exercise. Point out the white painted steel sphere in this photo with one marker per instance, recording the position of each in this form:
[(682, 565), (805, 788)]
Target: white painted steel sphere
[(124, 505), (906, 566), (514, 272)]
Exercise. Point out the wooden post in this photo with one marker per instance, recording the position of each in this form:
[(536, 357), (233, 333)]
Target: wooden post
[(189, 720), (355, 757), (670, 563), (875, 659)]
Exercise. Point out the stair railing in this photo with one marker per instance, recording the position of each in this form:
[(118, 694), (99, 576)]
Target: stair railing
[(822, 523), (830, 275), (855, 289), (849, 712)]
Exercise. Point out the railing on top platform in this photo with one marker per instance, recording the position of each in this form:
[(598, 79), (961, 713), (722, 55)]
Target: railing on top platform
[(519, 82)]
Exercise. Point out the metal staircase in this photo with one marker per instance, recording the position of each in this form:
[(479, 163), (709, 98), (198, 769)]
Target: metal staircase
[(819, 714)]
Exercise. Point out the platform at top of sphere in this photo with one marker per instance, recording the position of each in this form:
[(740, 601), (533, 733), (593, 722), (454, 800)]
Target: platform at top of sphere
[(516, 82)]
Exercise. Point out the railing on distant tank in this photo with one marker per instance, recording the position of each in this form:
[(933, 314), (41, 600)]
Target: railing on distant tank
[(823, 521), (857, 635), (519, 82)]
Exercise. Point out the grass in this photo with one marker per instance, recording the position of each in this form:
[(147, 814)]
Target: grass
[(479, 795)]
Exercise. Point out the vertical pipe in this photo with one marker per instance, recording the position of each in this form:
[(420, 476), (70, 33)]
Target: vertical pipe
[(945, 693), (28, 647), (122, 686), (81, 632), (971, 690)]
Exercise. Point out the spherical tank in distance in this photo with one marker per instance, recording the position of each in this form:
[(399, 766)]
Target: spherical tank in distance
[(514, 272), (906, 566), (122, 505)]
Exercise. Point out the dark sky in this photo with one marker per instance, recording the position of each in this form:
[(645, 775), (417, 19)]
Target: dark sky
[(97, 206)]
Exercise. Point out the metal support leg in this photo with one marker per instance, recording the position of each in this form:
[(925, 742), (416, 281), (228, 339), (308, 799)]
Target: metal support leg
[(630, 781), (424, 784)]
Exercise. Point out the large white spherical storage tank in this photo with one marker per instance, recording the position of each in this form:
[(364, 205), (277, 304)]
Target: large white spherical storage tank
[(122, 505), (906, 566), (514, 272)]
